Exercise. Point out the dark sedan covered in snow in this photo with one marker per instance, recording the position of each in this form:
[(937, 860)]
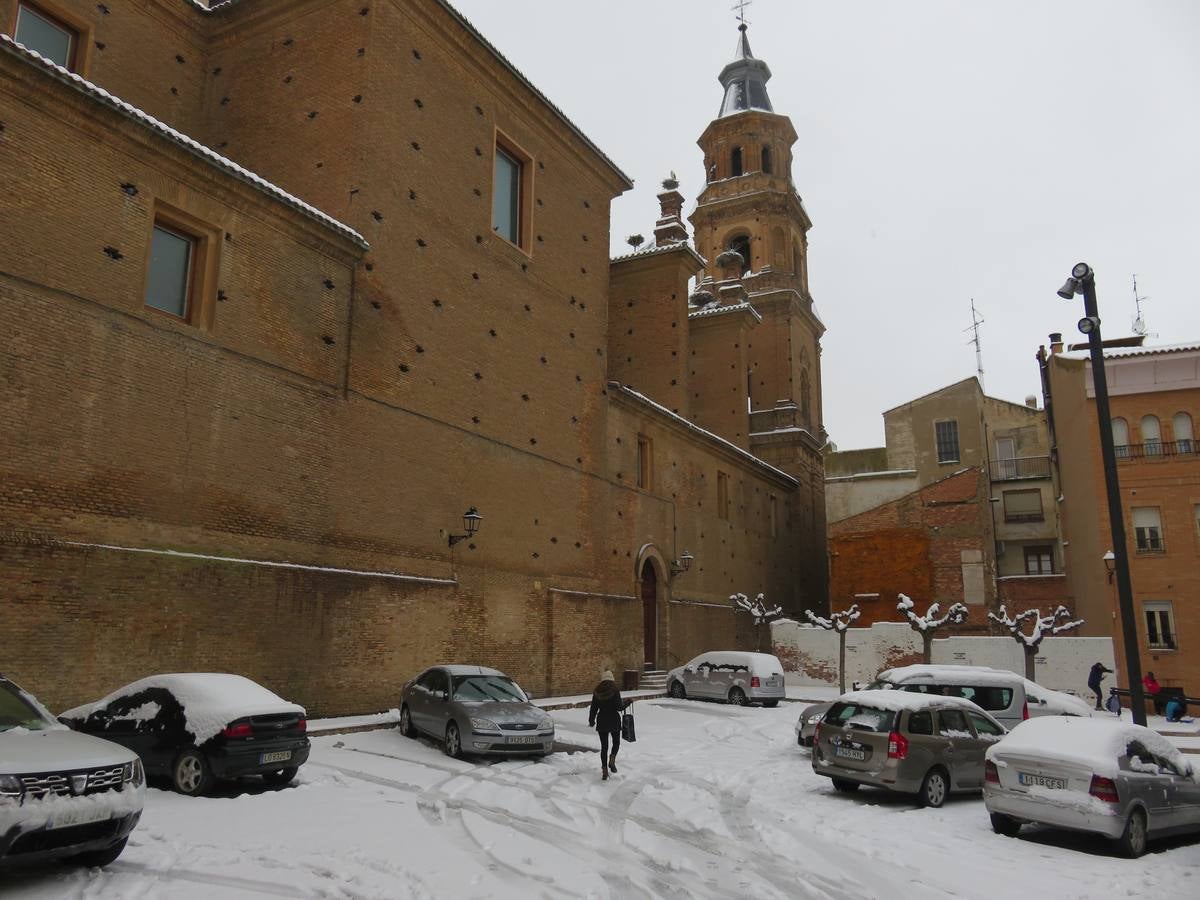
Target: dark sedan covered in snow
[(200, 727)]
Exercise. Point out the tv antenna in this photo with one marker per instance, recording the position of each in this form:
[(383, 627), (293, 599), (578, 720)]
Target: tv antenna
[(1139, 321), (976, 321)]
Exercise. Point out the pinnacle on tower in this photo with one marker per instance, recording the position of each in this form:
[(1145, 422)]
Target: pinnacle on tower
[(744, 80)]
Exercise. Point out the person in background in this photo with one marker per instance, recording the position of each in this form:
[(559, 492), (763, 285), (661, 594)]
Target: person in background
[(1175, 710), (1094, 678), (605, 716), (1153, 691)]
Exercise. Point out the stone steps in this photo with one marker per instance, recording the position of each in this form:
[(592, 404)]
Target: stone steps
[(653, 680)]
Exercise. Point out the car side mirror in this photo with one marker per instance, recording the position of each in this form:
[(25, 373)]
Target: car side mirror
[(688, 670), (1043, 702), (444, 696)]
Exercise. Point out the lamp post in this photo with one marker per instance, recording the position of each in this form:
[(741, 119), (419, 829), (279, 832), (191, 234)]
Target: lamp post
[(471, 520), (680, 566), (1083, 281)]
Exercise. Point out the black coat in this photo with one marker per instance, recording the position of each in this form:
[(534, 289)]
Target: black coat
[(1097, 675), (605, 711)]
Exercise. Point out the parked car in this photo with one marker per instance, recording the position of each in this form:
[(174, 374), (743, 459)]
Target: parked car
[(925, 745), (199, 727), (62, 794), (474, 710), (735, 676), (1106, 777), (1009, 697)]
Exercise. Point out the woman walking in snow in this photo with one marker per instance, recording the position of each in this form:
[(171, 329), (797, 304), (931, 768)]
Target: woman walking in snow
[(605, 716)]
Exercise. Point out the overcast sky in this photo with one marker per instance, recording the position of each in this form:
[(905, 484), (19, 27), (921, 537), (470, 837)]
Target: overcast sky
[(947, 151)]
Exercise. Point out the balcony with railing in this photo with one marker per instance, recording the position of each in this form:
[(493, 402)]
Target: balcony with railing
[(1157, 450), (1019, 468)]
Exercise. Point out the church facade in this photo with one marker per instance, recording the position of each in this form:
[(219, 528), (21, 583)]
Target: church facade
[(293, 285)]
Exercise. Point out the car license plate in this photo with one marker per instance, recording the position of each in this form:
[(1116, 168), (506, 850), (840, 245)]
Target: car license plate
[(849, 753), (1030, 780), (279, 756), (81, 815), (524, 739)]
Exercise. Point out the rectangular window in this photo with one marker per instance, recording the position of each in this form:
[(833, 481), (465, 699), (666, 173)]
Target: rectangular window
[(506, 197), (47, 35), (645, 463), (1160, 624), (1147, 529), (947, 440), (1023, 506), (1039, 560), (722, 495), (773, 503), (171, 273)]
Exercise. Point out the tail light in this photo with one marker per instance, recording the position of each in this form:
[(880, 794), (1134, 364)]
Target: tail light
[(302, 726), (240, 730), (897, 746), (755, 681), (1025, 710), (817, 734), (991, 775), (1104, 789)]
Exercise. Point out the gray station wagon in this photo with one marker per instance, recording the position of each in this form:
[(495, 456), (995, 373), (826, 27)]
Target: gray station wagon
[(474, 710), (924, 745)]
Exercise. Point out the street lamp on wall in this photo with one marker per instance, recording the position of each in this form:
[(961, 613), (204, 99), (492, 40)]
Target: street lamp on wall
[(1110, 564), (681, 565), (1083, 281), (471, 519)]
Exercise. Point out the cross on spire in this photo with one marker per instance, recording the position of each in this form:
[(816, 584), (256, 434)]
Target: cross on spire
[(740, 9)]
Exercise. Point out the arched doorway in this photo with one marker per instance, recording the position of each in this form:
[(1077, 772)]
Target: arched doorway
[(650, 613)]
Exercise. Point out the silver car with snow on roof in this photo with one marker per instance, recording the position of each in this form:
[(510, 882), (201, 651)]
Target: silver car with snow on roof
[(735, 676)]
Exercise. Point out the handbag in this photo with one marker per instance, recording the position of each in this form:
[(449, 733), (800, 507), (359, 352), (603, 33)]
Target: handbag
[(628, 732)]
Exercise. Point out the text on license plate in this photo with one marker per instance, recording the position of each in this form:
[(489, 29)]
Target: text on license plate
[(1046, 781), (278, 756), (524, 739), (849, 753), (91, 812)]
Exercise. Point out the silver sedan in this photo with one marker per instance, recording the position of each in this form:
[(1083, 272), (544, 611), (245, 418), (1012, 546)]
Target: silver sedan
[(1122, 781), (474, 710)]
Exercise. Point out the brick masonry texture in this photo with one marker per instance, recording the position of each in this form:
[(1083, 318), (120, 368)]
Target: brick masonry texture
[(330, 407)]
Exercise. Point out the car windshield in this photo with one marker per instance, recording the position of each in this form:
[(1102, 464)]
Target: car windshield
[(17, 711), (855, 715), (483, 688)]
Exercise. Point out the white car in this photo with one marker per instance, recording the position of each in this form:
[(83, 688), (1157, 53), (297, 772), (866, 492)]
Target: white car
[(735, 676), (62, 794)]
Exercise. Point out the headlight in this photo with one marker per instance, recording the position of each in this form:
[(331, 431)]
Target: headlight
[(10, 787), (484, 725), (815, 718), (546, 723), (133, 772)]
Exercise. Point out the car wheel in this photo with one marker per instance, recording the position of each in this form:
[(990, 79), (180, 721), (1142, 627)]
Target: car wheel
[(677, 691), (738, 697), (770, 704), (841, 785), (1133, 841), (100, 858), (1005, 825), (282, 777), (934, 788), (406, 726), (453, 745), (190, 775)]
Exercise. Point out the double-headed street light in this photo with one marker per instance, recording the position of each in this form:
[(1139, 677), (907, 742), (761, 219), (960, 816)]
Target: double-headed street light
[(1083, 281)]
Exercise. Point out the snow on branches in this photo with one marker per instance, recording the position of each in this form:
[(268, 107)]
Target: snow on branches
[(756, 607), (838, 622), (930, 622), (1056, 623)]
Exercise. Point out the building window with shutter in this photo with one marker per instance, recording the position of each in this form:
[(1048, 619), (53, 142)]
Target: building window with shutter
[(947, 441), (1023, 506), (1160, 624), (1039, 560), (1147, 529)]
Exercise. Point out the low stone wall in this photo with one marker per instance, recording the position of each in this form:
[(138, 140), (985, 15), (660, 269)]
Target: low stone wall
[(810, 655)]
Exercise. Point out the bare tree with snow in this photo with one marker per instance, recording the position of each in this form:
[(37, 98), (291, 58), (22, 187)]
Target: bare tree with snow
[(1056, 623), (930, 623), (839, 622), (756, 607)]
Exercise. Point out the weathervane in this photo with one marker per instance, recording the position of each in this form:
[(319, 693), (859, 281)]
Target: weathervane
[(740, 9)]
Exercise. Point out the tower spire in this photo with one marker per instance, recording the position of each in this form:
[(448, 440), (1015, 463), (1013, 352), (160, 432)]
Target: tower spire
[(744, 79)]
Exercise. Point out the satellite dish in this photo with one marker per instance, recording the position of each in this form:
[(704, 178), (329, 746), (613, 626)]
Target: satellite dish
[(1139, 325)]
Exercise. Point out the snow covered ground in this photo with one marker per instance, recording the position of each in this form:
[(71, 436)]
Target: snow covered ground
[(712, 801)]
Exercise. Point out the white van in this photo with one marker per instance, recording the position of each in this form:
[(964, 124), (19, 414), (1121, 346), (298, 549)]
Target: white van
[(736, 676)]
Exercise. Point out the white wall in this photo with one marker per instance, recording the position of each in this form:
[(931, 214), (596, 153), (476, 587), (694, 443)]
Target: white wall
[(810, 655)]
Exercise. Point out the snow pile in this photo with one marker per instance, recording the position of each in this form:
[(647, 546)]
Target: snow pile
[(1056, 702), (897, 701), (1095, 743), (980, 675), (36, 812), (209, 700)]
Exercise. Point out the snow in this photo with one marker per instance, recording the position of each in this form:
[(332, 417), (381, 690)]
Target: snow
[(711, 802), (839, 621), (956, 614), (725, 310), (1095, 742), (184, 141), (36, 812), (210, 700), (977, 674), (898, 701)]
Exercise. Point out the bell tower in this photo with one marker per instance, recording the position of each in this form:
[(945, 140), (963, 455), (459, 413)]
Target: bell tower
[(751, 227)]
